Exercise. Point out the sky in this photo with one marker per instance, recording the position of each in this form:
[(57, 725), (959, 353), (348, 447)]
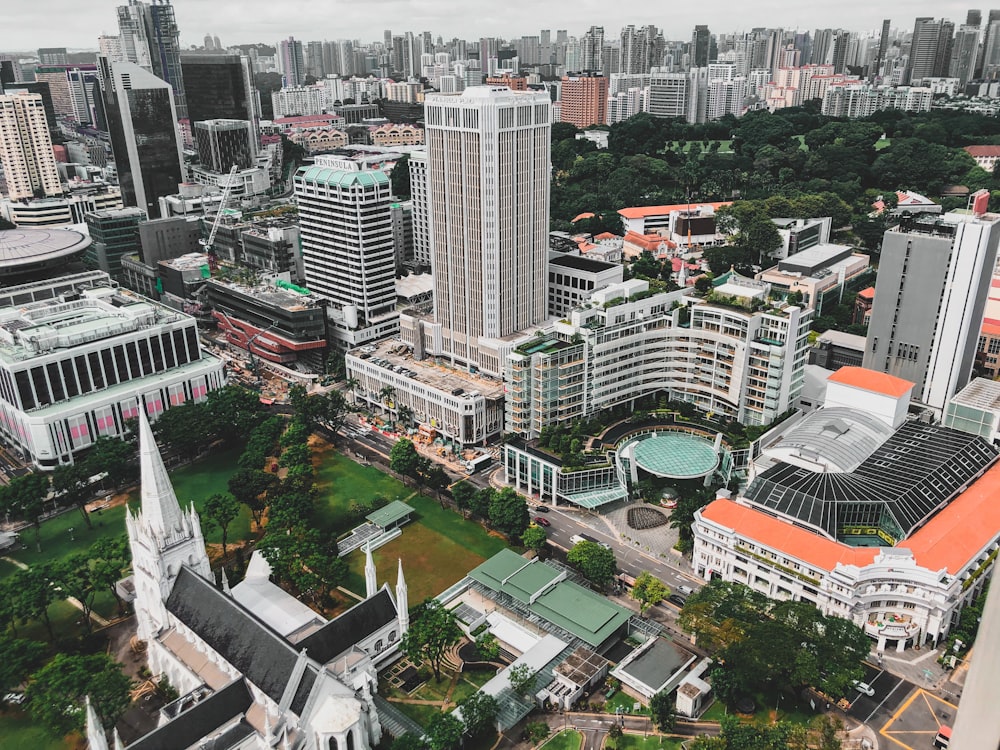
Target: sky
[(29, 24)]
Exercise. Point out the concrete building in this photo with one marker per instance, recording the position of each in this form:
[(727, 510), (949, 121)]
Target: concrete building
[(62, 211), (573, 278), (420, 201), (853, 99), (114, 234), (80, 356), (220, 87), (930, 296), (584, 100), (150, 39), (223, 144), (822, 274), (863, 514), (29, 164), (801, 234), (347, 246)]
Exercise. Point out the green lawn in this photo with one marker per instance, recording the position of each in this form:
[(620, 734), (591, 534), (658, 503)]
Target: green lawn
[(420, 714), (17, 732), (715, 712), (568, 739), (67, 534), (638, 742), (626, 702), (882, 143), (479, 677), (341, 481)]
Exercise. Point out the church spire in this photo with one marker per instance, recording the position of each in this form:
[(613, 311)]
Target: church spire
[(160, 509), (371, 582), (402, 600)]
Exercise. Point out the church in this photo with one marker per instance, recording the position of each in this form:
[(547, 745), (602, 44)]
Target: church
[(255, 668)]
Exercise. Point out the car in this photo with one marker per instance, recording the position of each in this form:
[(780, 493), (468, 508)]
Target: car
[(676, 599), (864, 688), (686, 590), (15, 699), (542, 508), (542, 521)]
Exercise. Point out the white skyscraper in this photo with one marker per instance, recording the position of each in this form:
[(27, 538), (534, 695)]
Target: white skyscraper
[(488, 174), (26, 147)]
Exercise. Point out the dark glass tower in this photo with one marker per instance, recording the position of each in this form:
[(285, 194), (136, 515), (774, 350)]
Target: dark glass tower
[(219, 87)]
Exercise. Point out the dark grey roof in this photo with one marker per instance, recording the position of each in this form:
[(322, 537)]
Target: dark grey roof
[(201, 719), (230, 739), (258, 652), (580, 263), (902, 483), (354, 625)]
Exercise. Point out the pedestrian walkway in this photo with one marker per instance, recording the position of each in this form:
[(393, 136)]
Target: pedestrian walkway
[(71, 600)]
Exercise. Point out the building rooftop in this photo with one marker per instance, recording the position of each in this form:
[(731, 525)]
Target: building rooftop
[(23, 249), (641, 212), (814, 259), (656, 664), (284, 299), (979, 394), (842, 339), (579, 263), (838, 436), (390, 514), (339, 178), (872, 380)]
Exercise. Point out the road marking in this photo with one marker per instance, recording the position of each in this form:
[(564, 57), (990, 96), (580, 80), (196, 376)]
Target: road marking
[(888, 695), (921, 693)]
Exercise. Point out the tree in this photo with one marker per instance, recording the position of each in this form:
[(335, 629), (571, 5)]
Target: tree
[(521, 678), (249, 487), (534, 538), (444, 732), (509, 512), (183, 428), (75, 578), (663, 710), (408, 742), (437, 478), (433, 630), (479, 713), (399, 178), (464, 494), (109, 558), (221, 510), (597, 563), (648, 591), (35, 592), (404, 459), (21, 657), (303, 557), (233, 412), (487, 647), (24, 498), (615, 732), (71, 482), (56, 692), (116, 457), (537, 731)]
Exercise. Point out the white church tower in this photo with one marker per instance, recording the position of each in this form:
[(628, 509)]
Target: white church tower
[(161, 536), (402, 601)]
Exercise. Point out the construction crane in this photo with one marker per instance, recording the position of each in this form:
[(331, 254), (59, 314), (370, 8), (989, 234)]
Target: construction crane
[(209, 244)]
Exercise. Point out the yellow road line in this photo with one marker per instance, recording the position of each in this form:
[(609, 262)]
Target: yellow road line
[(921, 693)]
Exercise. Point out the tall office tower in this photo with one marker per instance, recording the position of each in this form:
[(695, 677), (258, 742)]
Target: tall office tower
[(488, 48), (701, 43), (421, 209), (488, 177), (529, 50), (974, 18), (933, 281), (924, 49), (990, 33), (114, 233), (592, 50), (84, 89), (347, 242), (314, 60), (292, 62), (822, 47), (220, 87), (26, 147), (52, 56), (943, 55), (10, 70), (669, 93), (110, 47), (151, 40), (584, 100), (224, 143), (142, 121), (883, 47), (964, 53), (545, 48), (840, 45)]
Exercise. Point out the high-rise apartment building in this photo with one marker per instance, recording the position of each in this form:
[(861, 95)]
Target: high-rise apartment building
[(934, 277), (26, 147), (592, 50), (990, 34), (52, 56), (142, 121), (222, 144), (930, 49), (641, 49), (347, 245), (292, 61), (488, 179), (220, 87), (584, 100), (701, 46), (421, 209), (150, 39)]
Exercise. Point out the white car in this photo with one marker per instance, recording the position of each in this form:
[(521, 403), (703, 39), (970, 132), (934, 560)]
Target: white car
[(863, 687)]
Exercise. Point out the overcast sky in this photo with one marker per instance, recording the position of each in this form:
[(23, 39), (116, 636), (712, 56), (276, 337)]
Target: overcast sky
[(29, 24)]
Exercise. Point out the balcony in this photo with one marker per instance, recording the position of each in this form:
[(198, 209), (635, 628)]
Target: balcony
[(891, 625)]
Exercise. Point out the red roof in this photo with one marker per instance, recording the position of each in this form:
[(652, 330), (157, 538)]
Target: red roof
[(868, 293), (649, 242), (871, 380), (982, 150), (586, 215), (641, 212), (962, 529), (990, 327), (607, 236), (794, 541)]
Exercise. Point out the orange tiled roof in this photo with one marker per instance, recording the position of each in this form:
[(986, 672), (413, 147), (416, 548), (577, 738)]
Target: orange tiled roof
[(871, 380), (794, 541), (868, 293), (963, 528), (990, 327), (585, 215), (640, 212), (607, 236), (983, 150)]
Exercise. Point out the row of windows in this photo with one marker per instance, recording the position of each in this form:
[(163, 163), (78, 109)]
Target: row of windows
[(86, 373)]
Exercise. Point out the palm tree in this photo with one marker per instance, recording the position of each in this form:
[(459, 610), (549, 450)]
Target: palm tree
[(386, 394), (405, 414), (352, 384)]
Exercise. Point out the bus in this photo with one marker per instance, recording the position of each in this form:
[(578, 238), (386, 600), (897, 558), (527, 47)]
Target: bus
[(943, 736), (577, 538)]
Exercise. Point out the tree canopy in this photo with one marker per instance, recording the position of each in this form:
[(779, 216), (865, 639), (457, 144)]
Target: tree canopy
[(597, 563), (57, 692), (433, 630)]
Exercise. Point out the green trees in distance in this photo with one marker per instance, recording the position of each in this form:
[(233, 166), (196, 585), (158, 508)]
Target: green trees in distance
[(433, 630), (649, 590), (763, 643), (57, 692), (597, 563)]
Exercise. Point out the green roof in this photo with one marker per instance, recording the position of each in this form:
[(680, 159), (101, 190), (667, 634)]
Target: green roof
[(587, 615), (340, 178), (392, 513)]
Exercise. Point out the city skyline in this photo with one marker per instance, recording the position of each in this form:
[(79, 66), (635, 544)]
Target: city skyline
[(29, 26)]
